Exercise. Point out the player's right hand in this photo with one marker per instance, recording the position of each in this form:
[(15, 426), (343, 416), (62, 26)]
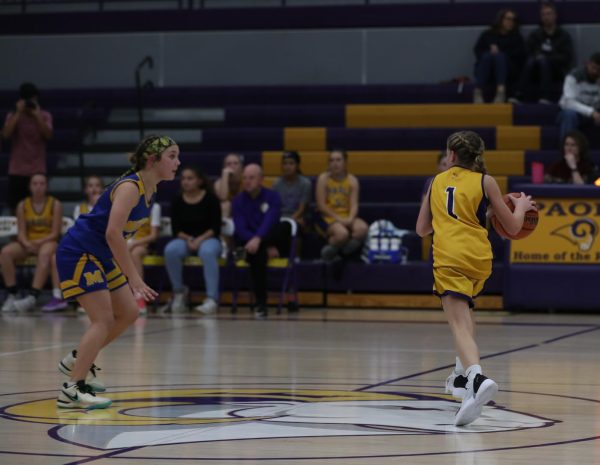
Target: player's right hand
[(141, 290)]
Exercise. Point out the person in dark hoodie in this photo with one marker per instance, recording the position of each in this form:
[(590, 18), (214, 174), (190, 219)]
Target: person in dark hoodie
[(499, 53), (549, 57)]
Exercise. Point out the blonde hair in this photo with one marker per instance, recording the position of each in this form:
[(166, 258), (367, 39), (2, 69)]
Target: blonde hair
[(469, 148)]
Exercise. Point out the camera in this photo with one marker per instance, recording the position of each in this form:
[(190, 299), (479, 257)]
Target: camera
[(30, 104)]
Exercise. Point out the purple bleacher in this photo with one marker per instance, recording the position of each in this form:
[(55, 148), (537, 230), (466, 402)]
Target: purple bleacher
[(234, 96), (399, 139), (391, 188), (286, 115), (241, 139), (535, 114)]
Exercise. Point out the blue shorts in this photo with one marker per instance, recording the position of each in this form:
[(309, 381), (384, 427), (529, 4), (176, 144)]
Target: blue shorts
[(81, 273)]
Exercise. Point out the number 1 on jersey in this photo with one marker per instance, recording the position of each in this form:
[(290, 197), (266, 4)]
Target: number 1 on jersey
[(450, 201)]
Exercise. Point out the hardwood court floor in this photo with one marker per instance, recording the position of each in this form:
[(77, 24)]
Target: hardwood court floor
[(363, 387)]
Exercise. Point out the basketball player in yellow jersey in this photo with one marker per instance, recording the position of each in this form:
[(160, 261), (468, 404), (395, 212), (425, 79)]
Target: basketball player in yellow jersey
[(454, 210), (39, 221), (337, 195)]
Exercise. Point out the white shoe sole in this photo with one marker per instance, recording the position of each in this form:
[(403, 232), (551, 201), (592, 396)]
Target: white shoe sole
[(457, 393), (95, 387), (471, 408), (64, 402)]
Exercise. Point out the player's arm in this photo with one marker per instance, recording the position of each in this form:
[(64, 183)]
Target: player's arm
[(57, 217), (512, 222), (22, 226), (124, 198), (424, 221), (321, 195), (354, 197)]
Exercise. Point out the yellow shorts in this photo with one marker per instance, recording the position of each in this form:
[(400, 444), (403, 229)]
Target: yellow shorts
[(448, 281)]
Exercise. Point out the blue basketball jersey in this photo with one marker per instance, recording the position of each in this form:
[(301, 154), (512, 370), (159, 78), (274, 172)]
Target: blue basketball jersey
[(89, 232)]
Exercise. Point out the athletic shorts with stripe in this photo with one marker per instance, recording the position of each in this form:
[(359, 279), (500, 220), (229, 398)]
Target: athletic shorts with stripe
[(449, 281), (81, 273)]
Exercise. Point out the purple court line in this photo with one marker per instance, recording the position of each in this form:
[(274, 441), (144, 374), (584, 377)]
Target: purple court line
[(105, 456), (496, 354)]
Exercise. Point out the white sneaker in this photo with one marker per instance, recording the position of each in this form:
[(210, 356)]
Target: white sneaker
[(81, 310), (71, 396), (9, 304), (25, 304), (65, 366), (479, 393), (456, 385), (179, 304), (208, 307)]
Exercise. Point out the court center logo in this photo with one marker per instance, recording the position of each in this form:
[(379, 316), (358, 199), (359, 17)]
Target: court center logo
[(175, 416), (581, 233)]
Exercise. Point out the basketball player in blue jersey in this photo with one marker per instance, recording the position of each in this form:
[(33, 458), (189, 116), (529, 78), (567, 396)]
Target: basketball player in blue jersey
[(96, 268), (454, 210)]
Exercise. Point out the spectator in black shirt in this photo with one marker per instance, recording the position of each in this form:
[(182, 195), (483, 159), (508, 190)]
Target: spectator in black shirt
[(196, 225), (549, 57)]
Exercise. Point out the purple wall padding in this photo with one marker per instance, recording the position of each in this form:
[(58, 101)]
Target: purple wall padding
[(552, 287)]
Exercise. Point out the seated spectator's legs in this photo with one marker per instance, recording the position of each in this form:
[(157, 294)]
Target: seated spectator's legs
[(358, 232), (258, 273), (209, 251), (500, 68), (338, 236), (483, 70), (42, 268), (279, 237), (175, 252), (568, 120), (11, 253)]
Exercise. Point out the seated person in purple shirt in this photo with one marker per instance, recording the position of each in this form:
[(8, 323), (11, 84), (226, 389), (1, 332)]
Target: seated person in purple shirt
[(256, 215)]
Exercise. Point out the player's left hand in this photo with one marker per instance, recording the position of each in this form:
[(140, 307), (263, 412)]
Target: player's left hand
[(141, 290)]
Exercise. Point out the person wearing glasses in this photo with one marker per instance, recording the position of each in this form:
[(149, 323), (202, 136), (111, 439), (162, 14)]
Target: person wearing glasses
[(499, 52)]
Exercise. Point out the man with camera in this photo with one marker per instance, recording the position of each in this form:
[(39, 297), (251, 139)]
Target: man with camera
[(29, 128)]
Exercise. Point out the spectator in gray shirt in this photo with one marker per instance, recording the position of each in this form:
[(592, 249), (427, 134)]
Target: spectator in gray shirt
[(294, 189)]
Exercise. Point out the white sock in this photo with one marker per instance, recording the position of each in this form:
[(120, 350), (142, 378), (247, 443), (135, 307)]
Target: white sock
[(458, 368), (472, 371), (56, 293)]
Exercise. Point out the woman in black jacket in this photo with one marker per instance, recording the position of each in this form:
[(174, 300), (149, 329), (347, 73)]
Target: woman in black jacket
[(500, 52)]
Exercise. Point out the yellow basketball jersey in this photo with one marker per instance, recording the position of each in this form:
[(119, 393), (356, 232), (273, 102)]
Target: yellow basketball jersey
[(338, 196), (458, 207), (84, 208), (38, 225)]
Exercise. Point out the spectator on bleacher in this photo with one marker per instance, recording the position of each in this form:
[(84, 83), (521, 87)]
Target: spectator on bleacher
[(39, 223), (580, 101), (499, 53), (337, 194), (257, 214), (294, 189), (196, 225), (29, 128), (442, 165), (574, 166), (138, 246), (229, 183), (93, 187), (549, 56)]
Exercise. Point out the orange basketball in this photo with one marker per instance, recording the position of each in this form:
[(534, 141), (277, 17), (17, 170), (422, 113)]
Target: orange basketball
[(530, 223)]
